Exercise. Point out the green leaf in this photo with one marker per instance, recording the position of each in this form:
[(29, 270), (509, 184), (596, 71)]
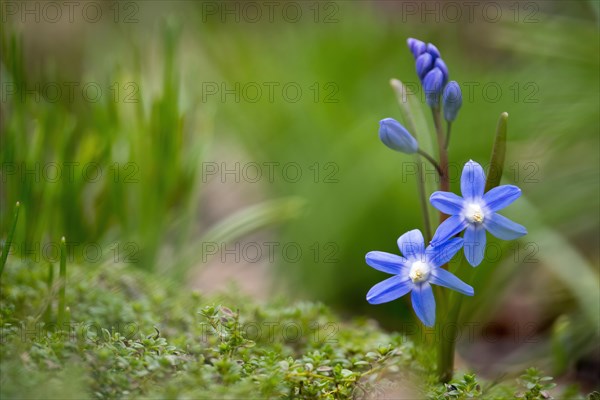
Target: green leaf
[(498, 154), (415, 122)]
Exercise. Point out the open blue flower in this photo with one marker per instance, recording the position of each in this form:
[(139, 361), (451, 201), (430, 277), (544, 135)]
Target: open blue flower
[(475, 213), (415, 272)]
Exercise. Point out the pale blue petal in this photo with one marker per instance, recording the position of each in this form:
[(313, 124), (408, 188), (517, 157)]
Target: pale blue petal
[(411, 244), (501, 196), (450, 227), (472, 181), (386, 262), (440, 255), (503, 228), (390, 289), (445, 278), (424, 303), (474, 244), (447, 202)]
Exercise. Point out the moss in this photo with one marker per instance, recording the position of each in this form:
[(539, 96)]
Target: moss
[(134, 335)]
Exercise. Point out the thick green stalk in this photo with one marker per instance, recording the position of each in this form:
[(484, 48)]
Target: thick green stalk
[(9, 239), (446, 326)]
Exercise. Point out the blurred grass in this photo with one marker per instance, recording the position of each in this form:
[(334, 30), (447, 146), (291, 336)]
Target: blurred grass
[(547, 72), (143, 161), (140, 203)]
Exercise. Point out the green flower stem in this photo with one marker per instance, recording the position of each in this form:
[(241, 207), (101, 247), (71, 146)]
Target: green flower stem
[(447, 344), (448, 129), (9, 239), (439, 130), (448, 329), (63, 283), (432, 161)]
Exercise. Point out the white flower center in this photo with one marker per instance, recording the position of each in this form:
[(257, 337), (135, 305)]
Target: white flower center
[(419, 271), (474, 213)]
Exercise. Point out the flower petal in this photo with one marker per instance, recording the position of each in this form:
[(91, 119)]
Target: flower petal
[(472, 181), (474, 244), (441, 277), (440, 255), (432, 86), (424, 64), (503, 228), (424, 303), (447, 202), (501, 196), (386, 262), (450, 227), (390, 289), (412, 244)]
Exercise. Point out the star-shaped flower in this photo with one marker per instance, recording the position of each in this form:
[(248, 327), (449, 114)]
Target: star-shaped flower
[(415, 272), (475, 213)]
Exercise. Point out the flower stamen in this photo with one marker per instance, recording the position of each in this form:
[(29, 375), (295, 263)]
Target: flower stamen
[(474, 214), (419, 271)]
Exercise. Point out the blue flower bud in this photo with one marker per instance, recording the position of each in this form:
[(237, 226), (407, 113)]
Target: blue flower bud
[(396, 137), (452, 101), (432, 85), (431, 49), (416, 47), (424, 65), (442, 66)]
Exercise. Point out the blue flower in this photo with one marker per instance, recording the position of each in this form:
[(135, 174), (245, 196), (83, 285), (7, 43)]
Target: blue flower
[(424, 64), (451, 100), (475, 213), (427, 57), (396, 137), (431, 49), (415, 272), (439, 63), (433, 85), (416, 47)]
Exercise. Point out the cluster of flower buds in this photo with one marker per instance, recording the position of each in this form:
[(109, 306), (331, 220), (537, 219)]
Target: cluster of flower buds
[(433, 73)]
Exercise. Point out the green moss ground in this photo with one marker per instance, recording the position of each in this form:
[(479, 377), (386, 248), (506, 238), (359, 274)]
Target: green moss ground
[(133, 335)]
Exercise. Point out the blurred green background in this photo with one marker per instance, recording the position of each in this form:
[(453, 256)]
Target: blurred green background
[(192, 86)]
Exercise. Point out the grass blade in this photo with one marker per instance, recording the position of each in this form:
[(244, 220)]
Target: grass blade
[(9, 239), (63, 282)]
